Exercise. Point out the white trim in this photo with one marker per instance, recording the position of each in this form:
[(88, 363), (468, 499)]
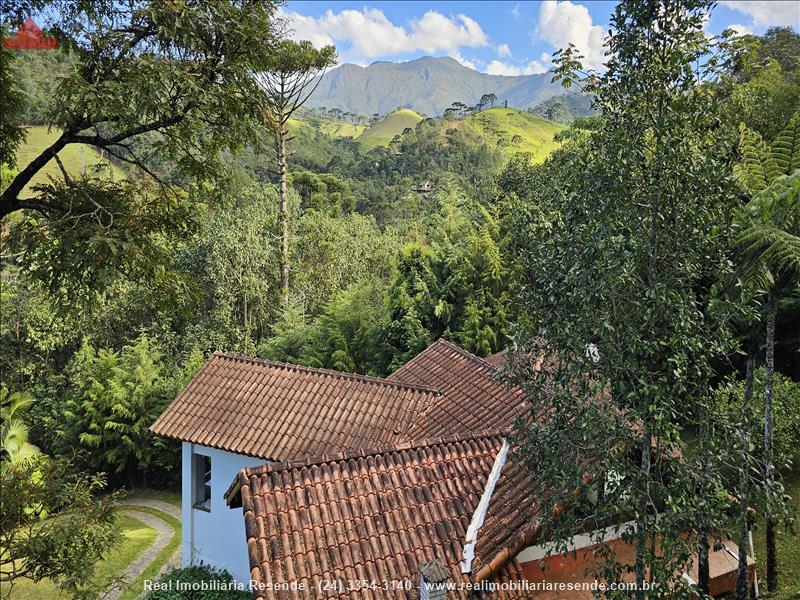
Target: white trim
[(753, 555), (731, 552), (480, 512), (689, 579), (576, 542)]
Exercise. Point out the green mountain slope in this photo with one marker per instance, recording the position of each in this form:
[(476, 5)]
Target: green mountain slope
[(382, 132), (77, 158), (515, 131), (564, 108)]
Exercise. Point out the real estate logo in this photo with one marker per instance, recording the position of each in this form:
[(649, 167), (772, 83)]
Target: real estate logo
[(30, 37)]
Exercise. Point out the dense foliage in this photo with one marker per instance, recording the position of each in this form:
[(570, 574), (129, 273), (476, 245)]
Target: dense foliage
[(787, 412), (638, 258), (623, 238), (53, 525)]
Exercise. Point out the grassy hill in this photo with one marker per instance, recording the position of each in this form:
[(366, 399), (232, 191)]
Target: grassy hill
[(77, 158), (329, 127), (382, 132), (341, 128), (514, 131)]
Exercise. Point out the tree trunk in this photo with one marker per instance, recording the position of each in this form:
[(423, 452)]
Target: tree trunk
[(641, 524), (702, 544), (769, 529), (284, 175), (744, 480), (702, 540)]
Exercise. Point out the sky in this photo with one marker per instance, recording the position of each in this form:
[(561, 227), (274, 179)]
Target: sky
[(500, 38)]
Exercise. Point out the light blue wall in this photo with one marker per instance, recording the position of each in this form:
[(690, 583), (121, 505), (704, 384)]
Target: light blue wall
[(215, 538)]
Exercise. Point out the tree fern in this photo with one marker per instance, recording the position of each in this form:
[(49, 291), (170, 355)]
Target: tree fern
[(14, 445), (769, 242), (758, 168), (786, 147)]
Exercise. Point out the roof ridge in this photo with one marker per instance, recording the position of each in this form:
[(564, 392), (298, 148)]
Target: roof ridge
[(465, 353), (323, 371), (276, 467)]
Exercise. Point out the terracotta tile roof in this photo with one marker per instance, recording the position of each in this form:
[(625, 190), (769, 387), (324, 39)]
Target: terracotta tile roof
[(372, 516), (512, 520), (278, 411), (497, 359), (472, 399)]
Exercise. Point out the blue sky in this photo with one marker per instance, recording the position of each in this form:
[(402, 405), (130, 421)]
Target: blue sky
[(507, 38)]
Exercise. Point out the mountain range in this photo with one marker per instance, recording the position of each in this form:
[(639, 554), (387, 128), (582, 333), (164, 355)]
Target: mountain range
[(427, 85)]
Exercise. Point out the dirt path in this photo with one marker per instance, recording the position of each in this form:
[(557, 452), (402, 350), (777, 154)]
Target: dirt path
[(161, 505), (164, 533)]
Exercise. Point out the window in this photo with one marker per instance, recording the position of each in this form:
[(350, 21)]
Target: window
[(201, 478)]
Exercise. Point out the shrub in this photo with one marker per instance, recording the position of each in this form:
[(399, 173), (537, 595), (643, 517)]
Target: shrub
[(786, 412), (187, 584), (55, 525)]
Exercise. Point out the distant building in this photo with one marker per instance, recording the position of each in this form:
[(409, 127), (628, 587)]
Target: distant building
[(426, 188)]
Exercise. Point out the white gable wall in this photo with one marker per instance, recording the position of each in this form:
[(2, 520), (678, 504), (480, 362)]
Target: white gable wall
[(215, 538)]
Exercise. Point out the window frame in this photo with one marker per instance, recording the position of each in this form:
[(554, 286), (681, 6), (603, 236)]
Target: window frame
[(201, 482)]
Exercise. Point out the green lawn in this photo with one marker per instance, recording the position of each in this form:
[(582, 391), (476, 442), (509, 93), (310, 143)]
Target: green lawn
[(341, 128), (77, 158), (788, 547), (171, 496), (137, 537)]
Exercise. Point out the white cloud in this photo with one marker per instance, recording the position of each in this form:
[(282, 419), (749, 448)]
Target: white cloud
[(773, 12), (369, 33), (497, 67), (562, 23), (503, 51), (515, 11), (467, 63), (741, 29)]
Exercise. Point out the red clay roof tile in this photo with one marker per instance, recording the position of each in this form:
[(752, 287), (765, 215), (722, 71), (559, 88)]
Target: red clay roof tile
[(276, 411), (472, 397), (385, 513)]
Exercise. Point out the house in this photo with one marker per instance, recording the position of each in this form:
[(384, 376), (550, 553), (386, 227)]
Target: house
[(242, 412), (239, 412), (411, 519), (403, 479), (377, 516), (425, 189)]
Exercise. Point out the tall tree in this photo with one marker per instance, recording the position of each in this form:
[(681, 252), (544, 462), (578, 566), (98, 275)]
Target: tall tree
[(626, 233), (486, 99), (11, 99), (174, 73), (769, 252), (742, 583), (287, 81)]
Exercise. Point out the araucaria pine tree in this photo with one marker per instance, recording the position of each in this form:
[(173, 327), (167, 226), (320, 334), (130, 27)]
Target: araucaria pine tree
[(289, 79)]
